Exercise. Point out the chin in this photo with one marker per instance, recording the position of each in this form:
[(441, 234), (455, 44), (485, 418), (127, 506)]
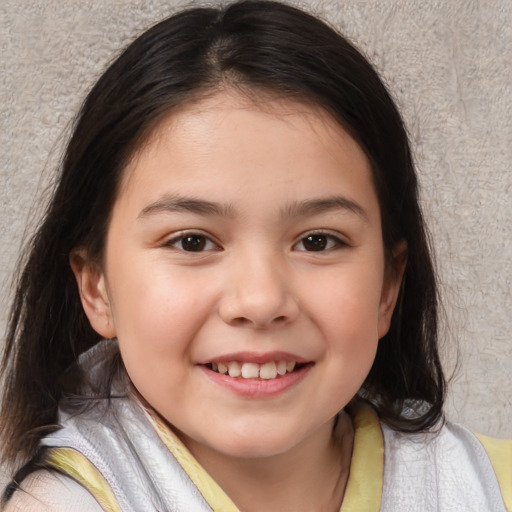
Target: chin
[(256, 445)]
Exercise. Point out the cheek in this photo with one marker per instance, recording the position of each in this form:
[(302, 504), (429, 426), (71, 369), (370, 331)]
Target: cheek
[(157, 315), (347, 312), (347, 307), (158, 322)]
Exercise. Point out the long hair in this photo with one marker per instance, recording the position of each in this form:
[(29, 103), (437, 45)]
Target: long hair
[(255, 46)]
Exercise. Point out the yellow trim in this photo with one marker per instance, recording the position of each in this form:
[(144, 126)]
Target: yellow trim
[(500, 454), (207, 486), (78, 467), (364, 486)]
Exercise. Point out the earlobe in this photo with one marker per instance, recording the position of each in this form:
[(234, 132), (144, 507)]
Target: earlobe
[(93, 293), (391, 287)]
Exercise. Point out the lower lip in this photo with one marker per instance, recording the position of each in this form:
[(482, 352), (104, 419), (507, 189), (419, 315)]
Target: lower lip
[(258, 388)]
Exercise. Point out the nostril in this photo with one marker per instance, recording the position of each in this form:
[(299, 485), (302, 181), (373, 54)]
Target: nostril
[(239, 321)]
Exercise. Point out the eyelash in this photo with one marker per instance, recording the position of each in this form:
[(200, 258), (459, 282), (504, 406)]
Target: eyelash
[(330, 241), (204, 241), (324, 242)]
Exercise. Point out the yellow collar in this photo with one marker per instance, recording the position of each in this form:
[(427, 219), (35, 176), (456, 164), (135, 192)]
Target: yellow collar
[(364, 486)]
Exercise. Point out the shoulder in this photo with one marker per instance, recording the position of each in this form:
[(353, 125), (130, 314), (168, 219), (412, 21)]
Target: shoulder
[(453, 464), (499, 452), (48, 491)]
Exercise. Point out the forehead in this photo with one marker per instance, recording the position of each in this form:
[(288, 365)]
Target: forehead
[(213, 103), (228, 140)]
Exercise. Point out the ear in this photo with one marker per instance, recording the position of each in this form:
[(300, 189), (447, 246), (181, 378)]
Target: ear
[(93, 293), (391, 287)]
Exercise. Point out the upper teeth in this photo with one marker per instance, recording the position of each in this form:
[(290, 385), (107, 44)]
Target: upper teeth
[(266, 371)]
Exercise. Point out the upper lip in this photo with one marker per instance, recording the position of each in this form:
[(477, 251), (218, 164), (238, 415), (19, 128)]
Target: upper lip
[(255, 357)]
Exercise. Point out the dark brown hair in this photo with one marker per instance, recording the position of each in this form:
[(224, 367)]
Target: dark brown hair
[(254, 46)]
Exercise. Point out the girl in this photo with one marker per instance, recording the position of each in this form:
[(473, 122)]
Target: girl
[(230, 303)]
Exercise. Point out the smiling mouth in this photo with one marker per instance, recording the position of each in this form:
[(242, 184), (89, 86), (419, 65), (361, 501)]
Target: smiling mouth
[(266, 371)]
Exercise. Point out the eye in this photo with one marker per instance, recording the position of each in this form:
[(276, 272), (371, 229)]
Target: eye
[(318, 242), (192, 242)]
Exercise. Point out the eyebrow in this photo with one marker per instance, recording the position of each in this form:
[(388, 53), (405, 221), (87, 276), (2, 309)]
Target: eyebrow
[(170, 204), (323, 205)]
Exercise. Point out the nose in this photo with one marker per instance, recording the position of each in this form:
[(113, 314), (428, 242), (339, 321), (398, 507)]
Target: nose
[(258, 293)]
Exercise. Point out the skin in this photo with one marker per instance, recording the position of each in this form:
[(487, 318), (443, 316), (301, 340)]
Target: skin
[(275, 175)]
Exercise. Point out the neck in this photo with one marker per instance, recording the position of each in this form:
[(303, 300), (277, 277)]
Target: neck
[(312, 476)]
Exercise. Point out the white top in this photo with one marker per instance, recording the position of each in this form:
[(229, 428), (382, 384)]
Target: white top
[(45, 491), (127, 459), (448, 472)]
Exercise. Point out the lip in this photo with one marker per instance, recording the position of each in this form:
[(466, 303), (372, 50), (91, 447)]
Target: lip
[(257, 388), (255, 357)]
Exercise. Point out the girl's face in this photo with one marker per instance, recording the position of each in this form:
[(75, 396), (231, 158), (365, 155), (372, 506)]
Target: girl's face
[(245, 239)]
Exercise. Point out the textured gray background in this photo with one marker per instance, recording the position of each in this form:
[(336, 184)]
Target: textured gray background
[(448, 64)]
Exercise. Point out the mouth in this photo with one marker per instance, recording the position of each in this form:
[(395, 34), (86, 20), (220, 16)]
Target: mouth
[(269, 370), (252, 375)]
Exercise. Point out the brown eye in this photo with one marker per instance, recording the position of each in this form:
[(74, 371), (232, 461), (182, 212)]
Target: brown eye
[(318, 242), (193, 243), (315, 242)]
